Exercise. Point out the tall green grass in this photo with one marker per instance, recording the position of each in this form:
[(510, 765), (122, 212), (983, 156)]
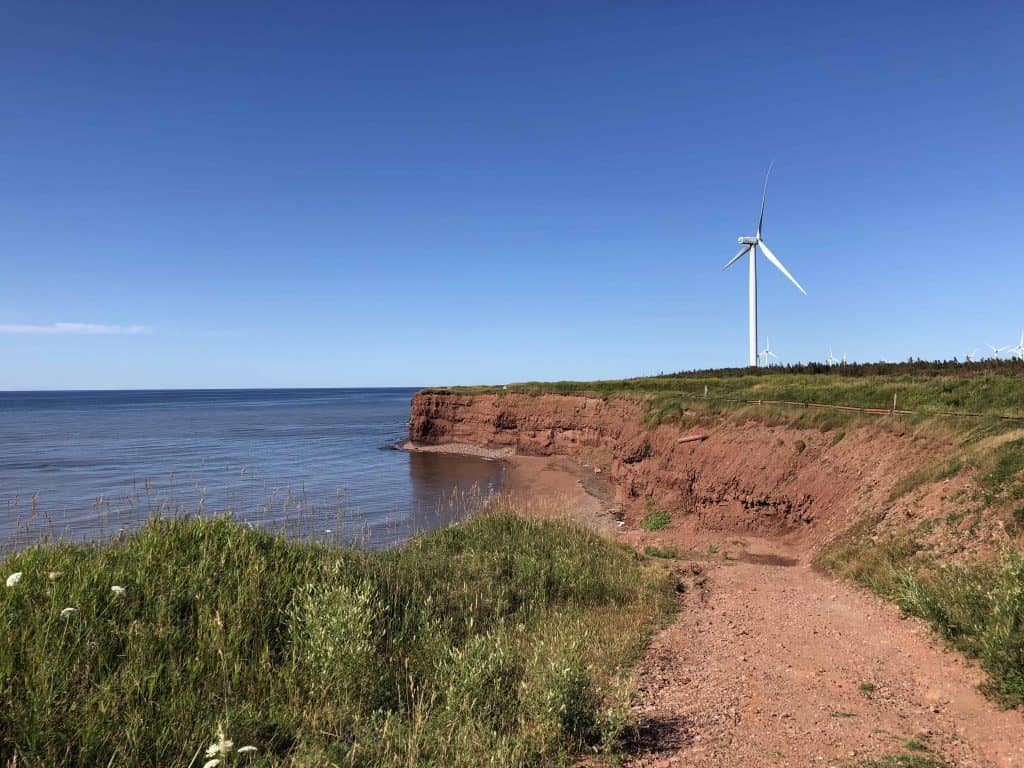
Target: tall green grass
[(977, 607), (503, 641)]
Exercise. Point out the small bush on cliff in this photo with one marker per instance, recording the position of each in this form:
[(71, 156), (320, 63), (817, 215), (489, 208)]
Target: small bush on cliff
[(497, 642), (656, 521)]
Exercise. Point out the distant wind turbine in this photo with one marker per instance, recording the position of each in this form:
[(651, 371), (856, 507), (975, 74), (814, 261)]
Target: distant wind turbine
[(1018, 351), (767, 353), (831, 359), (750, 246), (972, 356), (996, 351)]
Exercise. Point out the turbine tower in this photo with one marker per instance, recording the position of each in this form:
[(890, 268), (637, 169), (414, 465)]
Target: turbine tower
[(750, 246)]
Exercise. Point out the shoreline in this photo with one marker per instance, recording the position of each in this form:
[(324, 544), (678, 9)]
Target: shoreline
[(544, 486)]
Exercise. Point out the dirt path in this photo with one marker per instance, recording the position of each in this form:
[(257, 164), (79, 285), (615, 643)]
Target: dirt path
[(772, 663)]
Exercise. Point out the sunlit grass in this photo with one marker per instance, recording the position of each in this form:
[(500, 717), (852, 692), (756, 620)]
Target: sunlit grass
[(501, 641), (991, 387)]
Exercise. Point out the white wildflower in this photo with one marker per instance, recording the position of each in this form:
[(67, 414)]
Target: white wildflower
[(54, 575), (211, 763), (221, 746), (119, 591), (14, 578), (246, 749), (67, 613)]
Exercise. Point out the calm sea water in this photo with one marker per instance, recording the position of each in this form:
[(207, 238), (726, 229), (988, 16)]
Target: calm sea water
[(316, 463)]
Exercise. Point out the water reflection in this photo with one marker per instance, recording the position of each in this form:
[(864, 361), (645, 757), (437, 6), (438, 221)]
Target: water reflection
[(460, 484)]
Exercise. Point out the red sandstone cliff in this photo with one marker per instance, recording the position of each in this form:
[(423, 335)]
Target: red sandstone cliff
[(801, 483)]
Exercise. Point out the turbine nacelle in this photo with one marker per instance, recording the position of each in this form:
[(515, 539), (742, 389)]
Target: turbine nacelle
[(747, 240)]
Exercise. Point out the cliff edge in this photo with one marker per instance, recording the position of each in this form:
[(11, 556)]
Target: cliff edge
[(713, 474)]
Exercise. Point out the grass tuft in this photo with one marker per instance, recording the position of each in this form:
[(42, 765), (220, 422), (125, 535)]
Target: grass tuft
[(668, 553), (904, 761)]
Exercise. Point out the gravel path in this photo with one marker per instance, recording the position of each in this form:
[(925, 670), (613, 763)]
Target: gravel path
[(772, 663)]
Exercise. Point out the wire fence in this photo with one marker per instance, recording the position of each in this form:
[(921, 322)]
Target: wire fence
[(892, 410)]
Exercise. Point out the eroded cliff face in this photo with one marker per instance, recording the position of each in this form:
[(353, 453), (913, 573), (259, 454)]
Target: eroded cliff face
[(803, 484)]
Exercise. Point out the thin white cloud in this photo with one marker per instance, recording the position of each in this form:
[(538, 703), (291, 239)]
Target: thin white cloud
[(79, 329)]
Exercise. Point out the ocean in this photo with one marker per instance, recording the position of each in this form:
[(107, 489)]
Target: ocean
[(314, 463)]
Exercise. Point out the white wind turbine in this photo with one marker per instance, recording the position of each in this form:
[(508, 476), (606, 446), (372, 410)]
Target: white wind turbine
[(831, 359), (767, 353), (997, 350), (750, 246), (1018, 351), (972, 356)]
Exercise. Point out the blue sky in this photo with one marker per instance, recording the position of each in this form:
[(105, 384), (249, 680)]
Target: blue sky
[(347, 194)]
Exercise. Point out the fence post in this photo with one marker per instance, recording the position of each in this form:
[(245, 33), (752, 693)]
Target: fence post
[(893, 412)]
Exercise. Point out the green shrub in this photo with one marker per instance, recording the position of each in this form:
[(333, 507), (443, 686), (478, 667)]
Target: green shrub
[(656, 521)]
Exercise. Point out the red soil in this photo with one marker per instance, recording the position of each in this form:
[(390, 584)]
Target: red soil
[(764, 664)]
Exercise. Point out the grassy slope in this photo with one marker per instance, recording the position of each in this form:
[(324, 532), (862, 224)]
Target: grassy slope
[(992, 387), (977, 605), (498, 642)]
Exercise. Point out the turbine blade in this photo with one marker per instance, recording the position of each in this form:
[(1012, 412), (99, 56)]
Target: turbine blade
[(764, 197), (771, 257), (735, 258)]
